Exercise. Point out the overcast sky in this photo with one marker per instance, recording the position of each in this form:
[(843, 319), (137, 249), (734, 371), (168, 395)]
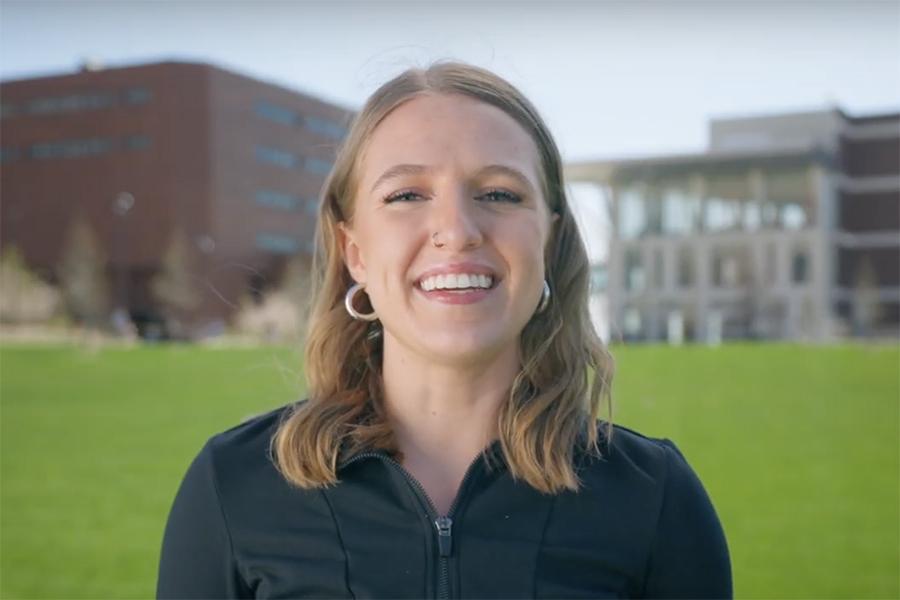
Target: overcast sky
[(613, 79)]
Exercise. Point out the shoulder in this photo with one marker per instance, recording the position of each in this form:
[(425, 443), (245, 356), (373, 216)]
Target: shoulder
[(630, 452), (241, 455), (642, 473), (253, 432), (670, 511)]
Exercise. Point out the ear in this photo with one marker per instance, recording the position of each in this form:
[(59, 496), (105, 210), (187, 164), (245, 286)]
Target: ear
[(352, 253)]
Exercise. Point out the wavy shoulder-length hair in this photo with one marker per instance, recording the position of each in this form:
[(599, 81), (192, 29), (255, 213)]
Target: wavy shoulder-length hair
[(553, 406)]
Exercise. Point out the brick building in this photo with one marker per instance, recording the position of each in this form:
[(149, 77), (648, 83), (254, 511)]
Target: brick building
[(787, 227), (152, 152)]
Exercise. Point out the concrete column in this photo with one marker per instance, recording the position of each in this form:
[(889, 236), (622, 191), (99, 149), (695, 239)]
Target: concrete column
[(615, 283), (700, 247), (825, 255)]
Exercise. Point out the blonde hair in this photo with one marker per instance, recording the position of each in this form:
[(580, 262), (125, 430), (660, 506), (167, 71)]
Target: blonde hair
[(554, 402)]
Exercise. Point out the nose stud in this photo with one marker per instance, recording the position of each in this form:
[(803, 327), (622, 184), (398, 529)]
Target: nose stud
[(435, 241)]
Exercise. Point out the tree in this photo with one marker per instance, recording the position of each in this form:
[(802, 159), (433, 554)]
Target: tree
[(281, 314), (82, 275), (24, 297), (176, 286)]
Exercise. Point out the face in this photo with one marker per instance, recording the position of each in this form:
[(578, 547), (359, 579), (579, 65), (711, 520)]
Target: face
[(449, 228)]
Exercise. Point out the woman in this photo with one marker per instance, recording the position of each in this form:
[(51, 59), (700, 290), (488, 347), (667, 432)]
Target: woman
[(450, 446)]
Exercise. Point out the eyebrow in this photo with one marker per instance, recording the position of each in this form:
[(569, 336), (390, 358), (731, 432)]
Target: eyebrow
[(411, 169), (400, 171)]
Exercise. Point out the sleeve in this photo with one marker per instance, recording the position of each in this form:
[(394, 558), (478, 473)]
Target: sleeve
[(689, 557), (197, 558)]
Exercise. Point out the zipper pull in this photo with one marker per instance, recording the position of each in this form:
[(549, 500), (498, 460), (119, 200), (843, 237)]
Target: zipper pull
[(445, 539)]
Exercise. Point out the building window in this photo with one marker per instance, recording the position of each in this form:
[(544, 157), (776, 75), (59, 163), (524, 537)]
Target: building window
[(680, 209), (726, 197), (70, 148), (634, 270), (317, 165), (8, 110), (685, 267), (69, 103), (276, 157), (598, 278), (277, 243), (8, 154), (632, 213), (799, 267), (632, 323), (324, 127), (789, 199), (654, 210), (793, 216), (137, 142), (137, 95), (731, 267), (275, 113), (277, 199), (752, 216)]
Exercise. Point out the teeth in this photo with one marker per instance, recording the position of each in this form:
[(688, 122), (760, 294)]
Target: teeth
[(453, 281)]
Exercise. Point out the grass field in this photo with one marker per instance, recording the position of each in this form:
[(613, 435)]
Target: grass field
[(798, 447)]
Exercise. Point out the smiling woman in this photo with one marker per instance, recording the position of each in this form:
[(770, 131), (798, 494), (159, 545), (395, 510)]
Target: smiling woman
[(451, 444)]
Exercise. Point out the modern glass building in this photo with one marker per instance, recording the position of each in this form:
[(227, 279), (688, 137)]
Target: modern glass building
[(788, 227)]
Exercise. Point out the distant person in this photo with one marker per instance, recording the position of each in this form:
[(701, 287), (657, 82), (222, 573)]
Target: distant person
[(451, 445)]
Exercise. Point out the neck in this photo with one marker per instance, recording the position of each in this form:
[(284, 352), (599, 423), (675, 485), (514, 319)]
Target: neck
[(444, 409)]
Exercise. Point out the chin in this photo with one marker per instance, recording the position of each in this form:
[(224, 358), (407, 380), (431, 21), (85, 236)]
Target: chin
[(471, 347)]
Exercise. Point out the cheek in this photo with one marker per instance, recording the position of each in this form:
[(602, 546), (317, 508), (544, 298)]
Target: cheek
[(389, 249), (523, 242)]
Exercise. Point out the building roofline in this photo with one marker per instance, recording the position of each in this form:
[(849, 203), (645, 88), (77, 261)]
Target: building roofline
[(85, 69), (607, 169)]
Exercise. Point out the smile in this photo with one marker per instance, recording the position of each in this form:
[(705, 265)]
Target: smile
[(456, 281)]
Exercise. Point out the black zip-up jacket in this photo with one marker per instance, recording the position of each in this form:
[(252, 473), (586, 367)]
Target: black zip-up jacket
[(641, 526)]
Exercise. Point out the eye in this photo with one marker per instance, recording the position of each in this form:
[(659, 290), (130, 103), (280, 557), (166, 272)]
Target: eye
[(402, 196), (498, 195)]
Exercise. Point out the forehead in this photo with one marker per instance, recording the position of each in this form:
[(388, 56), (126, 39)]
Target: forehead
[(448, 131)]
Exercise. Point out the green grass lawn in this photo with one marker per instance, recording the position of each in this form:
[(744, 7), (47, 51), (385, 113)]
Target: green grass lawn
[(798, 447)]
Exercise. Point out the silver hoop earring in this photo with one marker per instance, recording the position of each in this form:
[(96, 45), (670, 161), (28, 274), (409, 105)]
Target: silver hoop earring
[(545, 298), (348, 304)]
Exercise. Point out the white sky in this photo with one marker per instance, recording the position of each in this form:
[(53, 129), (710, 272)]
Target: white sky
[(613, 79)]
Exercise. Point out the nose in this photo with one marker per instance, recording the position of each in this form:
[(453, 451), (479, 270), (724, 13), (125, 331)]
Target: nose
[(455, 223)]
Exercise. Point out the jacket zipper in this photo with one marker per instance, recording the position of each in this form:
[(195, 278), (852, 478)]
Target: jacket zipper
[(443, 524)]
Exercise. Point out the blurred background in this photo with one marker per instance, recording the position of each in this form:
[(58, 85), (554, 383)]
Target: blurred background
[(735, 170)]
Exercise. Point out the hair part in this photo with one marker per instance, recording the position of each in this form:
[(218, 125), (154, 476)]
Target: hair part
[(554, 403)]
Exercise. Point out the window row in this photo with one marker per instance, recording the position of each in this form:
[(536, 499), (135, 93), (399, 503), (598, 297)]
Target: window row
[(285, 201), (74, 148), (289, 160), (730, 267), (774, 199), (279, 243), (286, 116), (49, 105)]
